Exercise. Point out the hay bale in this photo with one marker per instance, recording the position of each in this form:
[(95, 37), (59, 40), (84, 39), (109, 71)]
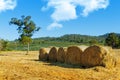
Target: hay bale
[(97, 56), (61, 54), (73, 55), (43, 54), (109, 50), (53, 54), (109, 60)]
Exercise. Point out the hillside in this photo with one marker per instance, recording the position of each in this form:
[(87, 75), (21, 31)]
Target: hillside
[(105, 35), (74, 38), (62, 41)]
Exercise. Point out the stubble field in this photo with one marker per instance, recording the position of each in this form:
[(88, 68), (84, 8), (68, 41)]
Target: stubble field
[(15, 65)]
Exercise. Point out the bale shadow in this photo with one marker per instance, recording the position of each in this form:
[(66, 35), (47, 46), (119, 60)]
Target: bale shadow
[(59, 64), (64, 65)]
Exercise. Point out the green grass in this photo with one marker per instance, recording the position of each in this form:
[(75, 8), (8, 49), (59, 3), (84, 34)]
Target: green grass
[(37, 46)]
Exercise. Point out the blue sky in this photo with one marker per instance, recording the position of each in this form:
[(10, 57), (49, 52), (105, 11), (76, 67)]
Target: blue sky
[(59, 17)]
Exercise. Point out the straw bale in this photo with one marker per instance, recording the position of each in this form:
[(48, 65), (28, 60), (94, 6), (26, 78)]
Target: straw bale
[(53, 54), (61, 54), (73, 55), (43, 55), (98, 56)]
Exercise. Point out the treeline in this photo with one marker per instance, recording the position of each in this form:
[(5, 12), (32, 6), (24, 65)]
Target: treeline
[(3, 45), (113, 40), (76, 38), (109, 39)]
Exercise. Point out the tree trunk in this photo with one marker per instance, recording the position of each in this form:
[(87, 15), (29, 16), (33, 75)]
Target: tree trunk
[(28, 48)]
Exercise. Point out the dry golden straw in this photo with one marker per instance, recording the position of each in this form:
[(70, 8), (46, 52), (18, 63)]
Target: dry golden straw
[(61, 54), (43, 55), (53, 54), (73, 55), (98, 56)]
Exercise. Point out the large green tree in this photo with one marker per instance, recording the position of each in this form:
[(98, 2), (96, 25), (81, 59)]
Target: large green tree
[(26, 28), (112, 40)]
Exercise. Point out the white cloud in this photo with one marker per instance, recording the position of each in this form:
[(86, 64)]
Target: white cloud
[(7, 5), (65, 10), (54, 25), (92, 5)]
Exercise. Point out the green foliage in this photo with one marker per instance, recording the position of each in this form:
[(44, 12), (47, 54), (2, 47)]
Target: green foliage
[(37, 44), (0, 45), (93, 42), (3, 45), (26, 28), (62, 41), (85, 39), (25, 39), (112, 40)]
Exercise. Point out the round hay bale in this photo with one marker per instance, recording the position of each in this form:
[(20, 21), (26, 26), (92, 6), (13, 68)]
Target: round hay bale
[(43, 55), (73, 55), (97, 56), (61, 54), (53, 54)]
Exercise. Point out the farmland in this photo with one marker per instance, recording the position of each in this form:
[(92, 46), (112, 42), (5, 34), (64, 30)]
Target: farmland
[(59, 40), (15, 65), (62, 41)]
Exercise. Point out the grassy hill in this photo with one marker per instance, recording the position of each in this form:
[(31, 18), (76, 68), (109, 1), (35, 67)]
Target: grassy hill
[(62, 41)]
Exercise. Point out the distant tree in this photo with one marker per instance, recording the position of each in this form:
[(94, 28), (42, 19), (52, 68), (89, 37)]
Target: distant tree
[(112, 40), (119, 42), (3, 45), (92, 42), (26, 29), (81, 41)]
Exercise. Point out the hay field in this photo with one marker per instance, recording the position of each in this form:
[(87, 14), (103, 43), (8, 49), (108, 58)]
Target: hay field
[(15, 65)]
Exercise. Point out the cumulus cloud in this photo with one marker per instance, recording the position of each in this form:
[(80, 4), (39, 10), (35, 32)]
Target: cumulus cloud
[(92, 5), (7, 5), (54, 25), (65, 10)]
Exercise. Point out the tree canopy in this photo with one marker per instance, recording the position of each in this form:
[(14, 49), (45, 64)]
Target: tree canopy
[(112, 40), (26, 28)]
